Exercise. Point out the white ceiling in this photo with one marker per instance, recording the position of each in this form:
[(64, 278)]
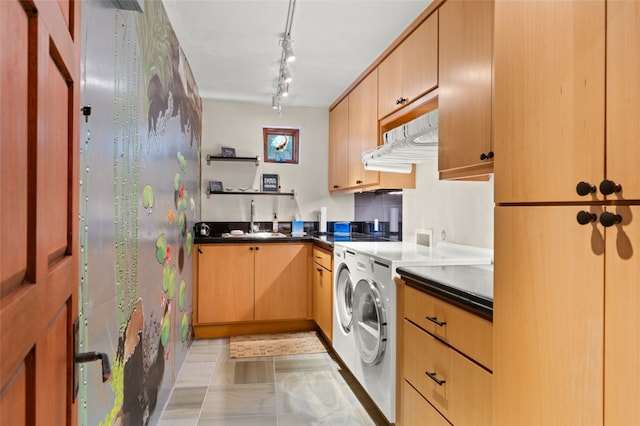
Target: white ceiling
[(233, 46)]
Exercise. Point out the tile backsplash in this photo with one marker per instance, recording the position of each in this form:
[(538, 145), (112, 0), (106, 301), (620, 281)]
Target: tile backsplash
[(385, 206)]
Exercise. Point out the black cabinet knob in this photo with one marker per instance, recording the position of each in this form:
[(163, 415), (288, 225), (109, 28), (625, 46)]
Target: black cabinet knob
[(608, 187), (584, 188), (487, 156), (585, 217), (608, 219), (400, 101)]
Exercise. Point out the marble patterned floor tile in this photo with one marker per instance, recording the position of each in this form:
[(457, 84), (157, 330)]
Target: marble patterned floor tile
[(242, 372), (204, 353), (184, 403), (178, 422), (194, 374), (239, 400), (241, 421), (346, 418)]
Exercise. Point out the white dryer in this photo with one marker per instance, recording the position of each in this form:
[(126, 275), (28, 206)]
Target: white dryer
[(344, 264)]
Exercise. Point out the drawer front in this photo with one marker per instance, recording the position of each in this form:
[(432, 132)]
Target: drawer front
[(468, 333), (416, 411), (458, 388), (323, 257)]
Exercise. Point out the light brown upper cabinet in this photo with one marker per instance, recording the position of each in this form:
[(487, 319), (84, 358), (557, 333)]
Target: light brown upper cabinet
[(363, 129), (410, 70), (353, 128), (339, 146), (465, 146), (567, 101)]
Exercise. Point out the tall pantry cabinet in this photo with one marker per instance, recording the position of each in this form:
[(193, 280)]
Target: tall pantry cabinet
[(567, 218)]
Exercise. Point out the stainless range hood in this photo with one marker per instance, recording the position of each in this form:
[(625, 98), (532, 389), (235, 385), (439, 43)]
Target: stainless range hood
[(410, 143)]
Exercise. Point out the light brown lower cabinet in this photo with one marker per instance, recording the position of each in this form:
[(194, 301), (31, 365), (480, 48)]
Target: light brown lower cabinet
[(440, 382), (322, 290), (252, 282)]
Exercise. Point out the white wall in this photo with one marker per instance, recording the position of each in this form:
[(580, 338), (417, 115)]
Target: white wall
[(239, 126), (463, 210)]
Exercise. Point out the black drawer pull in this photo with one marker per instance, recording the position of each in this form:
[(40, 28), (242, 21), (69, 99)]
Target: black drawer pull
[(436, 322), (433, 377)]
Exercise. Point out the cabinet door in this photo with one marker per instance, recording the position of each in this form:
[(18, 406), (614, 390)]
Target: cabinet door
[(622, 319), (549, 98), (548, 317), (465, 88), (390, 83), (322, 299), (420, 59), (225, 283), (339, 146), (623, 96), (363, 129), (282, 281)]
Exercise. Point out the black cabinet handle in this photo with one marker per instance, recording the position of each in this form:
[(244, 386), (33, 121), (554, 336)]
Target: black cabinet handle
[(336, 186), (401, 101), (585, 217), (436, 322), (608, 187), (433, 377), (584, 188), (257, 248), (358, 182), (487, 156), (319, 270), (608, 219)]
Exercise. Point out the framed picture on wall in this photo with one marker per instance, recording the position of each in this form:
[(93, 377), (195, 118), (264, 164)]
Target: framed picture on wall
[(270, 183), (228, 152), (281, 145), (215, 186)]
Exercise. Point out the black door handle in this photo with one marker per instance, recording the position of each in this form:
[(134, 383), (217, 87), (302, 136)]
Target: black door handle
[(608, 187), (608, 219), (584, 188), (94, 356), (585, 217)]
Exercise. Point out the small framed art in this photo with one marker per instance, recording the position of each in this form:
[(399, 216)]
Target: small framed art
[(270, 183), (228, 152), (215, 186), (281, 145)]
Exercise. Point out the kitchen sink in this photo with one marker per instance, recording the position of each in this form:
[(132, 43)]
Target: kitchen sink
[(256, 235)]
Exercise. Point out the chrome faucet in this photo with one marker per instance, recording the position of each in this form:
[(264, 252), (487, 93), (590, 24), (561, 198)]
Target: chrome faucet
[(253, 216)]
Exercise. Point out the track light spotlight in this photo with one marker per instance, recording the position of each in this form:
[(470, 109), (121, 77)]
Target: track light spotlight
[(289, 56), (286, 76), (275, 102)]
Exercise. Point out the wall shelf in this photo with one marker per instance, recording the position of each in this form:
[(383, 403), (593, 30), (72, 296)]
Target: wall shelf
[(211, 158), (291, 194)]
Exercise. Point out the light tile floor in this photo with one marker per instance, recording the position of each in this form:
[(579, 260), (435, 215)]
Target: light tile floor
[(212, 389)]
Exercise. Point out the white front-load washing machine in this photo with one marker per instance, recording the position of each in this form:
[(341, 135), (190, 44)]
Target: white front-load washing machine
[(344, 263), (372, 268)]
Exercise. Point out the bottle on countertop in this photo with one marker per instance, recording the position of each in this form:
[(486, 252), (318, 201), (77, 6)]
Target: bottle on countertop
[(275, 223)]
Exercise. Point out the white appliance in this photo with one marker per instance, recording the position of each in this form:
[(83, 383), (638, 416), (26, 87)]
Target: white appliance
[(344, 264), (371, 352)]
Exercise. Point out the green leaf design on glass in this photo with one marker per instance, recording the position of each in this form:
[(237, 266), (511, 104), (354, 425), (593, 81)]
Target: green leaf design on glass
[(166, 328), (166, 277), (182, 161), (184, 327), (176, 181), (182, 294), (171, 284), (161, 249), (147, 198), (189, 243), (182, 223)]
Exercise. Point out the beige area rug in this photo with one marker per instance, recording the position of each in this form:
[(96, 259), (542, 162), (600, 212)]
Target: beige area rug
[(257, 345)]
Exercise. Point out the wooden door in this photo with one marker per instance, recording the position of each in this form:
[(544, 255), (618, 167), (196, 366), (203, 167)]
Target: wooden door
[(323, 299), (363, 129), (225, 291), (390, 83), (40, 78), (549, 99), (623, 96), (420, 60), (465, 88), (622, 319), (282, 281), (339, 146), (548, 317)]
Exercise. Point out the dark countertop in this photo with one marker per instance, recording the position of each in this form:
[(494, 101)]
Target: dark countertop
[(325, 241), (470, 287)]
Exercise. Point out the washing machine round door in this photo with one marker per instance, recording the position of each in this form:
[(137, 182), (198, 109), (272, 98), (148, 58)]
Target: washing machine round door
[(344, 298), (369, 322)]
